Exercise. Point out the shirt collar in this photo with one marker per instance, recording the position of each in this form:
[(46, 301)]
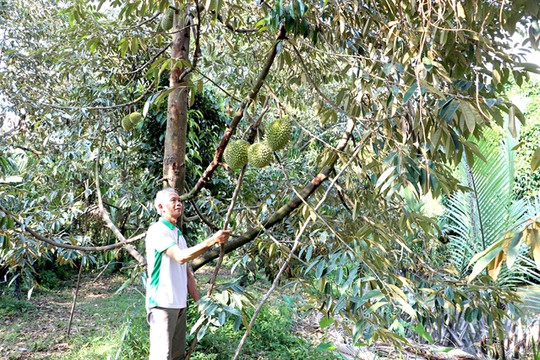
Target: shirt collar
[(169, 224)]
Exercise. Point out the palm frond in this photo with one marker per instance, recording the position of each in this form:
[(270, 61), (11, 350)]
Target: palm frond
[(7, 166), (476, 219)]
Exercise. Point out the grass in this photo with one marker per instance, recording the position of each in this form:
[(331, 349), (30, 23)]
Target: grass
[(271, 338), (37, 329), (110, 325)]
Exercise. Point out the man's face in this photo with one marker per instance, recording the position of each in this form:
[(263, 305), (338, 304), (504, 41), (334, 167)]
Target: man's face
[(172, 207)]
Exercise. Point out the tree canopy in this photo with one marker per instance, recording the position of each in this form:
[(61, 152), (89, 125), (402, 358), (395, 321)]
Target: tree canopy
[(383, 96)]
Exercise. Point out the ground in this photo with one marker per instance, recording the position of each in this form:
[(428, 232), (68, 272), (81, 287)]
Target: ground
[(38, 329)]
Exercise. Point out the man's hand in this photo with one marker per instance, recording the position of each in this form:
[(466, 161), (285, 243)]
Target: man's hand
[(221, 236)]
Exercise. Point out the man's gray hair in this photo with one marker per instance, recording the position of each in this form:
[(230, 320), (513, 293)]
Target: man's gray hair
[(162, 196)]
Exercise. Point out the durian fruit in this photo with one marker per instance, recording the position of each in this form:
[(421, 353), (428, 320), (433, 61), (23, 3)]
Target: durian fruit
[(131, 120), (236, 154), (167, 20), (278, 133), (135, 118), (259, 155), (126, 123)]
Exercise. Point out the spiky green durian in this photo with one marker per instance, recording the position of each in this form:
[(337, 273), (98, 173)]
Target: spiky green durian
[(135, 118), (259, 155), (236, 154), (130, 121), (167, 20), (278, 133), (126, 123)]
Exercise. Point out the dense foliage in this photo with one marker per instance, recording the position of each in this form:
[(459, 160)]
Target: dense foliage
[(383, 97)]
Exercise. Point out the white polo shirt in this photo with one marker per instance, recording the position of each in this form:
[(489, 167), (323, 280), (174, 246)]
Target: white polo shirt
[(166, 284)]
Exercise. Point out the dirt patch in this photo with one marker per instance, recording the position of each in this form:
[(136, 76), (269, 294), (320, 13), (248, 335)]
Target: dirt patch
[(40, 331)]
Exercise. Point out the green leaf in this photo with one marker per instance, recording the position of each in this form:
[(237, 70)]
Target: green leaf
[(261, 22), (325, 322), (385, 175), (324, 347), (420, 330), (376, 306), (448, 110), (513, 250), (289, 300), (410, 92), (482, 259), (474, 148), (470, 114), (10, 223), (427, 63), (535, 161), (530, 67)]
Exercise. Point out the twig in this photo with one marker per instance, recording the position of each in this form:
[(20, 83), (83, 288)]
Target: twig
[(207, 174), (225, 226), (232, 28), (284, 265), (217, 85), (149, 61), (75, 298), (319, 217), (34, 151), (201, 217), (105, 215), (197, 31), (45, 239), (144, 22), (323, 95), (253, 129), (221, 256)]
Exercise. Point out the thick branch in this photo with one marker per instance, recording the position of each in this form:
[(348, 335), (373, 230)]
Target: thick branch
[(283, 212), (237, 117)]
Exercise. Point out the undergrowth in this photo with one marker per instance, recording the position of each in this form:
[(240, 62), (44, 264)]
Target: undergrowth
[(111, 325)]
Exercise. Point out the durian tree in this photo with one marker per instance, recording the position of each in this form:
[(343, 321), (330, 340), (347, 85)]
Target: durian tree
[(380, 96)]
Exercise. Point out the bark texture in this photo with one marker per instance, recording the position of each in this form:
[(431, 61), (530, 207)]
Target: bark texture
[(174, 165)]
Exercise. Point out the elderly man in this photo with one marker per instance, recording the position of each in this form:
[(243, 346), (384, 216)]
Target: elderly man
[(169, 278)]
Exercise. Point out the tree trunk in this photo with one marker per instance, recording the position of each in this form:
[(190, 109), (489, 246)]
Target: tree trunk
[(174, 165)]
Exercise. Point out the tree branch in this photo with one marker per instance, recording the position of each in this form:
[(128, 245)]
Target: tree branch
[(149, 61), (49, 241), (202, 218), (236, 30), (33, 151), (282, 212), (237, 117), (105, 215), (120, 105), (218, 86), (197, 31)]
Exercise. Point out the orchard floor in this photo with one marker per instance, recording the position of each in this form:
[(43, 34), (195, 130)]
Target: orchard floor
[(38, 328)]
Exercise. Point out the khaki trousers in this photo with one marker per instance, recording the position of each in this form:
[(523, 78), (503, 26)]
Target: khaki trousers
[(167, 333)]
